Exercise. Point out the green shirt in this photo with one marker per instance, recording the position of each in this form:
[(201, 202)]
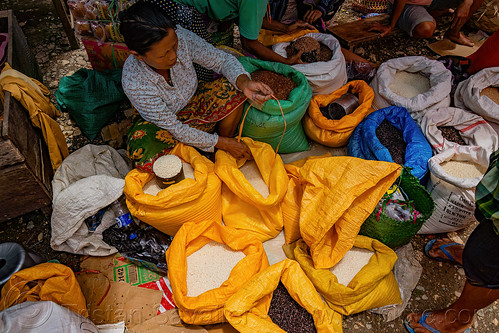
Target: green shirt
[(250, 13), (487, 192)]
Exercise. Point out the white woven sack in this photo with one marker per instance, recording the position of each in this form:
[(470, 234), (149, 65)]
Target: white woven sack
[(454, 197), (467, 94), (437, 97), (474, 130), (324, 77)]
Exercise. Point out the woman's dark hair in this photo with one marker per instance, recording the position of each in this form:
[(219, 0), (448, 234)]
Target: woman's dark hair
[(142, 25)]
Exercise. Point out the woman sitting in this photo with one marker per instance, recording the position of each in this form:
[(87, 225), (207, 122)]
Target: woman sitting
[(161, 83)]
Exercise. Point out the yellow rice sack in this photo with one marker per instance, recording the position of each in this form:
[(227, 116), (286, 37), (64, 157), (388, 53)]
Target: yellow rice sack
[(190, 200), (373, 286), (243, 206), (208, 307)]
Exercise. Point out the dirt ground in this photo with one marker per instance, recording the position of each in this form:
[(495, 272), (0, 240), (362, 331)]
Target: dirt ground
[(440, 284)]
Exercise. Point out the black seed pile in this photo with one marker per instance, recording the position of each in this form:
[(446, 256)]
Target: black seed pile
[(281, 85), (393, 140), (322, 53), (325, 53), (333, 111), (450, 133), (286, 313)]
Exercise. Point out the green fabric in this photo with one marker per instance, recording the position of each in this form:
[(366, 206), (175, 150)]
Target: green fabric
[(267, 124), (487, 192), (91, 98), (250, 13), (395, 233)]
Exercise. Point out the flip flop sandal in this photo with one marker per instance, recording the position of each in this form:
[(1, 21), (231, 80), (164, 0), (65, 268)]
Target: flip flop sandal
[(442, 248), (422, 322)]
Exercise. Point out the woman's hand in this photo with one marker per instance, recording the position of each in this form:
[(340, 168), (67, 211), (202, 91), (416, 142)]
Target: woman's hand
[(295, 59), (298, 25), (237, 149), (256, 91), (312, 15)]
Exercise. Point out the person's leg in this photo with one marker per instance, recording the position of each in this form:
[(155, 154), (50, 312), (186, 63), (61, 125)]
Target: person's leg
[(454, 33), (416, 21), (456, 251), (458, 316), (227, 126)]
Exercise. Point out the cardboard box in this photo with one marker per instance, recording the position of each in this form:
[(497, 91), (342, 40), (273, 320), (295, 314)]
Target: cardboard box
[(104, 56)]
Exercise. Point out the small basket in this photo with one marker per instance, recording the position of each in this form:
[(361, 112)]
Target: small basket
[(371, 6), (395, 233)]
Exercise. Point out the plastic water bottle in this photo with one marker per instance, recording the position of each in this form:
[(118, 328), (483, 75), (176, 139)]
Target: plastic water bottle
[(123, 218)]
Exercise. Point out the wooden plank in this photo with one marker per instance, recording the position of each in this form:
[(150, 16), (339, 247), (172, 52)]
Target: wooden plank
[(66, 23), (21, 192), (9, 154), (352, 33)]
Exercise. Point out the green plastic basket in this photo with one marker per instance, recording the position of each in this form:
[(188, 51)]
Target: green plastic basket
[(395, 233)]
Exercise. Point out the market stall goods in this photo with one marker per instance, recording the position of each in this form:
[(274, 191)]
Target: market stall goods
[(409, 85), (351, 264), (286, 313), (152, 187), (209, 267), (280, 84), (463, 169), (492, 93), (254, 177), (310, 47), (168, 170), (393, 139), (452, 134)]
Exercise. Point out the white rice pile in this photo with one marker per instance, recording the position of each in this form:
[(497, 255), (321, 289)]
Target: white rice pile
[(167, 166), (253, 175), (351, 264), (463, 169), (409, 85), (209, 267), (152, 187)]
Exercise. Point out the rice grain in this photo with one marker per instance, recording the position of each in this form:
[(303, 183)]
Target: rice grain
[(167, 166), (209, 267), (252, 173), (463, 169), (152, 187), (353, 261), (409, 85), (492, 93)]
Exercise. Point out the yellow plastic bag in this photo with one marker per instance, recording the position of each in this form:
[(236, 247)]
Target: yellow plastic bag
[(44, 282), (269, 37), (291, 201), (373, 286), (335, 133), (334, 197), (190, 200), (208, 308), (243, 207), (247, 310)]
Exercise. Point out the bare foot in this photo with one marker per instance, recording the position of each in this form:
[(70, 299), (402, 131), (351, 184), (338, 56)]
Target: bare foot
[(445, 321), (459, 38), (456, 251)]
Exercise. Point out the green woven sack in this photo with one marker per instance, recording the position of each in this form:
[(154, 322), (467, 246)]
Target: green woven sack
[(267, 124), (395, 233)]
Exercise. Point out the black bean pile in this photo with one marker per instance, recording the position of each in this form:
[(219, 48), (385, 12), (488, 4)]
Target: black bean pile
[(450, 133), (286, 313), (393, 140), (333, 111), (280, 84)]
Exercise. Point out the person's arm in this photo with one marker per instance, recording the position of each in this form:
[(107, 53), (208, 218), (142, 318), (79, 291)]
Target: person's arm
[(398, 6), (265, 53), (275, 25)]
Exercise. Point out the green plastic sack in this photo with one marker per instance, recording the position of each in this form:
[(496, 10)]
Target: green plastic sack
[(91, 98), (267, 125)]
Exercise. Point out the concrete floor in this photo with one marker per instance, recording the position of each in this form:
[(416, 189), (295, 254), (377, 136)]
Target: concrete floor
[(440, 284)]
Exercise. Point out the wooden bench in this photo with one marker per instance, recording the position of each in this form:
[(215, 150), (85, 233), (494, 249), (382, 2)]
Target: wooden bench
[(352, 33), (25, 168)]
